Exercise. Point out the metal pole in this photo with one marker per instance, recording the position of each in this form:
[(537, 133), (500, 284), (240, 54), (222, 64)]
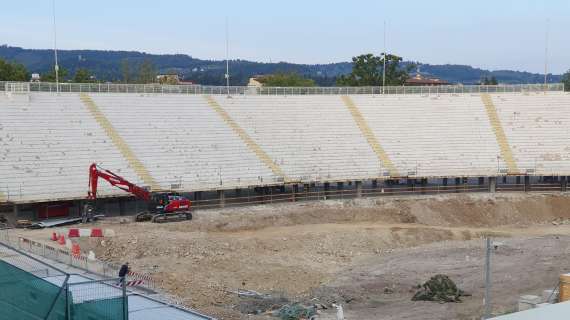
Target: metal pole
[(125, 299), (384, 69), (227, 57), (546, 56), (487, 300), (55, 50)]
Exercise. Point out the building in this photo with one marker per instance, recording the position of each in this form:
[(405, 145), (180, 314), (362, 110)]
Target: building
[(35, 77), (419, 80)]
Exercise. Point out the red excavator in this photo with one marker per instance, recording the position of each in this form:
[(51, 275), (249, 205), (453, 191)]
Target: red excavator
[(162, 206)]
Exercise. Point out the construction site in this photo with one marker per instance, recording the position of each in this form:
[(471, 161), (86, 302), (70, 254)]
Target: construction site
[(253, 206)]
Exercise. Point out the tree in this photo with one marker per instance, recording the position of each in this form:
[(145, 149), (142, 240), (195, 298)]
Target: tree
[(50, 76), (146, 72), (13, 71), (566, 80), (82, 76), (367, 70), (286, 80), (125, 70), (489, 81)]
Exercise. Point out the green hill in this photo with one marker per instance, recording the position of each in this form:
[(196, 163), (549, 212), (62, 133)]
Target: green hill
[(106, 66)]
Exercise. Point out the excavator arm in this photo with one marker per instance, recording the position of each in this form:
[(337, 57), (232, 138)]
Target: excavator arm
[(115, 180)]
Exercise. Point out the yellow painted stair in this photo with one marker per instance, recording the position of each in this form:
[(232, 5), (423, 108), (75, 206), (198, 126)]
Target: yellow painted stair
[(505, 148), (120, 143), (370, 137), (244, 136)]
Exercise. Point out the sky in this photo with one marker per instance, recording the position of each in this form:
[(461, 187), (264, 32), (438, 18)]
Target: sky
[(490, 34)]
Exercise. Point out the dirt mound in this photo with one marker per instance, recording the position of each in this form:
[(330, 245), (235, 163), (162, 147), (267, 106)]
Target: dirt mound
[(474, 210)]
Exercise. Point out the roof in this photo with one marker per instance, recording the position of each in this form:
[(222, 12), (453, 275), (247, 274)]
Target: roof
[(419, 79), (557, 311)]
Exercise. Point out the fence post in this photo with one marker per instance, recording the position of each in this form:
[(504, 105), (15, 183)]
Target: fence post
[(125, 299)]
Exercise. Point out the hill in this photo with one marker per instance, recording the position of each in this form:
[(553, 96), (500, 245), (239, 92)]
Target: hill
[(106, 66)]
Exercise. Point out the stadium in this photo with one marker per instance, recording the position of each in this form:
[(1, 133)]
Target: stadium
[(286, 181), (307, 160)]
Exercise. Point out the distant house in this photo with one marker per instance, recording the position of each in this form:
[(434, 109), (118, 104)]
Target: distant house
[(419, 80)]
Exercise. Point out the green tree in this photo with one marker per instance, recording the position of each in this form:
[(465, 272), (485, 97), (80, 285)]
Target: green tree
[(286, 80), (125, 70), (146, 72), (13, 71), (566, 80), (367, 70), (82, 76), (489, 81), (50, 76)]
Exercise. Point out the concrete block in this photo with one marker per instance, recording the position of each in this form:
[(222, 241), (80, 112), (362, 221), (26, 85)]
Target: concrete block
[(528, 302), (550, 296)]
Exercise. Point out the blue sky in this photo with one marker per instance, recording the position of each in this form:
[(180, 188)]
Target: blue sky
[(499, 34)]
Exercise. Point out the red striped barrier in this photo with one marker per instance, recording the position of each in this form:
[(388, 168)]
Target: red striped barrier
[(73, 233), (134, 283), (97, 233)]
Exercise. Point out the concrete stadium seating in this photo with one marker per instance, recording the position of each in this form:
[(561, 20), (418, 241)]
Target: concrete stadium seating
[(433, 136), (538, 128), (311, 138), (198, 143), (182, 142), (47, 143)]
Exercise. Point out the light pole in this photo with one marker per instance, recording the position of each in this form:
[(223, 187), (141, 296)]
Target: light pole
[(384, 68), (227, 75), (56, 68)]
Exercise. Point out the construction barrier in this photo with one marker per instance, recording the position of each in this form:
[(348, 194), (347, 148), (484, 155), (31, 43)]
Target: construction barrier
[(73, 233), (135, 283), (74, 257), (96, 233), (84, 232)]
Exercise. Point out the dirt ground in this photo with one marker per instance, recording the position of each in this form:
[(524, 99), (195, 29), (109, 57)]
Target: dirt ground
[(366, 254)]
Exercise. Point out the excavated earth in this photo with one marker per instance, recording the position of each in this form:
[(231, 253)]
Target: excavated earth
[(367, 254)]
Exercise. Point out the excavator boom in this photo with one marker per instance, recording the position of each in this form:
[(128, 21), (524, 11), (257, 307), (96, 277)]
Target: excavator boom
[(115, 180)]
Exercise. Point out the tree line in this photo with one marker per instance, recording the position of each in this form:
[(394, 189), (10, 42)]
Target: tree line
[(367, 70)]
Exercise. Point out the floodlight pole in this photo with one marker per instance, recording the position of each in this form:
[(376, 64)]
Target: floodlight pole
[(546, 55), (384, 69), (227, 57), (55, 49)]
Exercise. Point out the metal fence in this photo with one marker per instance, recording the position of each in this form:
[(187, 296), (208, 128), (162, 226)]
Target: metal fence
[(316, 193), (80, 261), (22, 87), (32, 289)]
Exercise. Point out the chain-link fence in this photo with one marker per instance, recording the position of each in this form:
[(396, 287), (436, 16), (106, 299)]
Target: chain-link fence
[(32, 289), (23, 87)]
